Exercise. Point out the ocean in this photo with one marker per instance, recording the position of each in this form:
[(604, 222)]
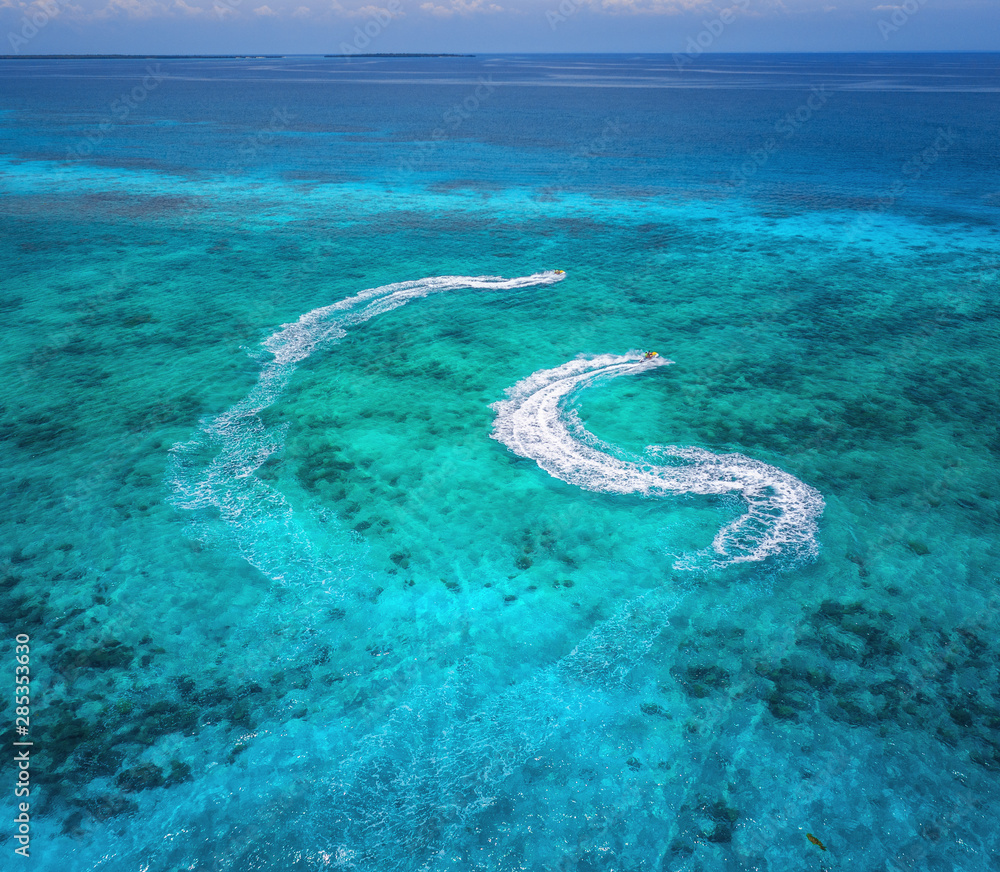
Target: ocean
[(351, 522)]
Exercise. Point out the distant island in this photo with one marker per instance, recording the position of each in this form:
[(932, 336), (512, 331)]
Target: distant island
[(386, 54), (247, 57), (143, 57)]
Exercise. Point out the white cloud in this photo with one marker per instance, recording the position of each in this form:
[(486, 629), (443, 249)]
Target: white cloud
[(379, 13), (393, 10), (224, 12), (135, 9), (438, 11), (461, 7), (333, 13), (654, 7), (190, 11)]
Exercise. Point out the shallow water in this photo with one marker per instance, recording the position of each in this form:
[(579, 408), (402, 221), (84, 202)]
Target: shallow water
[(291, 606)]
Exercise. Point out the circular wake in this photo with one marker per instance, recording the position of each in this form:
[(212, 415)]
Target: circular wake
[(536, 422), (213, 474)]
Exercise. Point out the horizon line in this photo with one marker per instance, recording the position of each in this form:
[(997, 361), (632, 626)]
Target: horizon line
[(403, 54)]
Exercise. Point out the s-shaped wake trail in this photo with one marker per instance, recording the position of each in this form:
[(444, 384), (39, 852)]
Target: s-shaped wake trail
[(536, 421)]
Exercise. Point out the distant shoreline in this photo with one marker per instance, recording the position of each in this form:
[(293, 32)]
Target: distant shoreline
[(706, 55), (134, 57), (232, 57), (399, 55)]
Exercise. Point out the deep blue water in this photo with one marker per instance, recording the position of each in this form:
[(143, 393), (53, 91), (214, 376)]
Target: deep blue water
[(350, 534)]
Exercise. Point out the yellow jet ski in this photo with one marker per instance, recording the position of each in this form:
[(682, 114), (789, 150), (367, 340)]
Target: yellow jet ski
[(560, 272), (649, 355)]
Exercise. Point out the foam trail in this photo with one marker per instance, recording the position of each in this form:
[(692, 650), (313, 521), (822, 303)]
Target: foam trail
[(535, 422), (406, 796), (444, 758), (214, 472)]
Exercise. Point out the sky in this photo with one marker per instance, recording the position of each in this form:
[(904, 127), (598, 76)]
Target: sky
[(484, 26)]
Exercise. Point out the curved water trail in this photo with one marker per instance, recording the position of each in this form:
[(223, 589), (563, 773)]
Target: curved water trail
[(536, 422), (213, 473), (406, 796), (446, 756)]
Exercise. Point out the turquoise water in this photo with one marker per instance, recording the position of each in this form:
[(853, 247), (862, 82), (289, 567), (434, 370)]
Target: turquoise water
[(313, 597)]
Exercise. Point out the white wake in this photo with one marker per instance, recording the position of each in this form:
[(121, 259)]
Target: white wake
[(213, 474), (536, 422)]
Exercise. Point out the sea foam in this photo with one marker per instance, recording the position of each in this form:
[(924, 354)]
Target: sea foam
[(213, 474), (536, 422)]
